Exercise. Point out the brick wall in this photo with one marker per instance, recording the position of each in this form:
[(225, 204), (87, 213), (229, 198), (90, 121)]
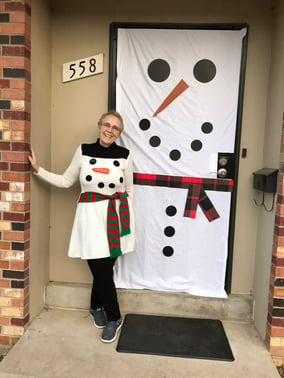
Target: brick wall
[(275, 318), (15, 107)]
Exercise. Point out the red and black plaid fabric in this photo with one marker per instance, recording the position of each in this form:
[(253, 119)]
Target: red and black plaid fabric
[(196, 187)]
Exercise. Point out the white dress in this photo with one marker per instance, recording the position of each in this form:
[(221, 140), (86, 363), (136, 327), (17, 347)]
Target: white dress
[(101, 170)]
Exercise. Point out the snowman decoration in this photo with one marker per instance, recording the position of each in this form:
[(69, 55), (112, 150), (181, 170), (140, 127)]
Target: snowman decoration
[(178, 95)]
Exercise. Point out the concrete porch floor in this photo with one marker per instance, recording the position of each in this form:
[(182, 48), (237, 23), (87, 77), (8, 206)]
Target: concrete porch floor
[(64, 343)]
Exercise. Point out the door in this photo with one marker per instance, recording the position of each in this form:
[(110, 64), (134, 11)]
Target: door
[(179, 91)]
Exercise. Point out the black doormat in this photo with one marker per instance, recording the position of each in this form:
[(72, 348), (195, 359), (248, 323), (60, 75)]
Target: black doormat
[(174, 336)]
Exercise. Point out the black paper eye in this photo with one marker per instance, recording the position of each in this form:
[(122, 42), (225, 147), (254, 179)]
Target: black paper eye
[(93, 161), (116, 163)]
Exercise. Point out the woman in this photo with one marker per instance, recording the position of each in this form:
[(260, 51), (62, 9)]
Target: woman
[(103, 227)]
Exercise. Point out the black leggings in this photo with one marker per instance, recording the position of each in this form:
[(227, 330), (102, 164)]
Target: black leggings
[(103, 290)]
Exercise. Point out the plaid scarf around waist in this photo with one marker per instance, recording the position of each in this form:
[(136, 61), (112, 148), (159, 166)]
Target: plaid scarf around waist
[(112, 217)]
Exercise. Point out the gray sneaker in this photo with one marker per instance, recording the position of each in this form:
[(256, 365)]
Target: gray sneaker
[(110, 331), (99, 317)]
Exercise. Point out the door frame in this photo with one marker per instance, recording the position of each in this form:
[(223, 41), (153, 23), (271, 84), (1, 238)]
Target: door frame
[(112, 105)]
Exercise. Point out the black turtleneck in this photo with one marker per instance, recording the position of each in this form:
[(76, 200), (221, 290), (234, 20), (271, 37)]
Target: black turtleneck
[(97, 150)]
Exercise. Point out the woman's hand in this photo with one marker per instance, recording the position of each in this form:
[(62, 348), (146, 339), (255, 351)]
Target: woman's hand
[(32, 159)]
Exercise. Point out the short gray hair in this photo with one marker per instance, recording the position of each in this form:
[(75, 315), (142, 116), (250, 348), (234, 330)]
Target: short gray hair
[(113, 113)]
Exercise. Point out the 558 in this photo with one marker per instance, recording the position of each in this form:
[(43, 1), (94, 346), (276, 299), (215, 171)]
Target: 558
[(84, 67)]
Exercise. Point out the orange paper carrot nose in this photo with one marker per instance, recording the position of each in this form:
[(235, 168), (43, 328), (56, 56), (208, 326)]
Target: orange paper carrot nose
[(101, 170), (179, 88)]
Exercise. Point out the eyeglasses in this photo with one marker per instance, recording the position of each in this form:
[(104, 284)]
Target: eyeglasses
[(111, 127)]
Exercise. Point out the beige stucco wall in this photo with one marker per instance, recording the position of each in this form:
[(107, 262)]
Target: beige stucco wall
[(79, 31), (40, 138), (82, 29), (271, 151)]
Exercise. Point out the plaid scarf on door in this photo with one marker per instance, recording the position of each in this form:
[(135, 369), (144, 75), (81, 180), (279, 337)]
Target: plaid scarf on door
[(112, 217)]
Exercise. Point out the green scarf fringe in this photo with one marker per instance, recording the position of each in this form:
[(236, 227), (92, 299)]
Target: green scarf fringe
[(115, 252)]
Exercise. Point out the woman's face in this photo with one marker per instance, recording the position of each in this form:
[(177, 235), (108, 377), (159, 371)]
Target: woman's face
[(109, 130)]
